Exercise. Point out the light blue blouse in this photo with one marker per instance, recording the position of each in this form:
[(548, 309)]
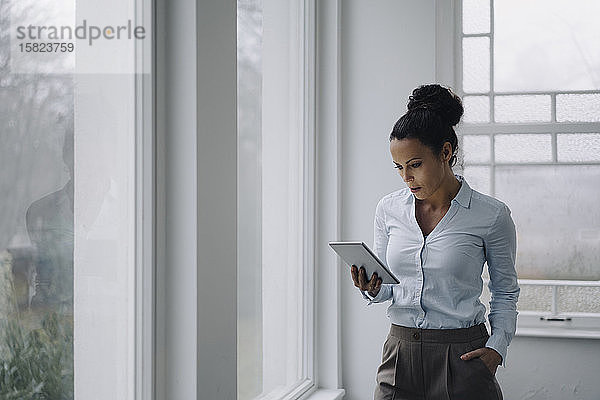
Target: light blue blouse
[(440, 275)]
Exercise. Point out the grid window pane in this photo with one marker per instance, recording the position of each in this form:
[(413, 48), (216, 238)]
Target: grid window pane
[(522, 148), (531, 297), (555, 209), (535, 298), (37, 236), (525, 108), (539, 298), (476, 16), (476, 148), (578, 299), (478, 178), (542, 45), (477, 109), (539, 46), (578, 147), (476, 65), (578, 107), (270, 205)]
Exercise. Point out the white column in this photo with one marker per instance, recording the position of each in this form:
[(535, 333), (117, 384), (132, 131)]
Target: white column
[(217, 199)]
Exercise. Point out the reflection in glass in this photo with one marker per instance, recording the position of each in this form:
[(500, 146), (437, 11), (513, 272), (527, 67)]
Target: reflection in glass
[(36, 321), (36, 235), (49, 223)]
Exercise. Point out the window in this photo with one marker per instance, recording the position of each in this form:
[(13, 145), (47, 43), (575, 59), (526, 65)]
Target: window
[(529, 77), (74, 133), (275, 200)]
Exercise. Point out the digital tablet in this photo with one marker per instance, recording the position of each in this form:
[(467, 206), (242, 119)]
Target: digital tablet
[(359, 254)]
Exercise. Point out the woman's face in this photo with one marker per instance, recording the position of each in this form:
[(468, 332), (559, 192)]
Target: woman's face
[(422, 171)]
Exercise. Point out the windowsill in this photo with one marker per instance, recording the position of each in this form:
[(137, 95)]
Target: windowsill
[(574, 325), (326, 394), (557, 332)]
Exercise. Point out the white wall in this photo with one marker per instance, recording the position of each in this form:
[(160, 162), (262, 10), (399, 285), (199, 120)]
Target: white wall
[(387, 50), (551, 369)]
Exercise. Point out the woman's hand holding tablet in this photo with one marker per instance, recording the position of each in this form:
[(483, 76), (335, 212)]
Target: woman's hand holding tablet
[(359, 276), (363, 263)]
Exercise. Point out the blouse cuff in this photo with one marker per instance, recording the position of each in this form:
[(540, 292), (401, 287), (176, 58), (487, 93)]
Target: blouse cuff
[(381, 296), (497, 341)]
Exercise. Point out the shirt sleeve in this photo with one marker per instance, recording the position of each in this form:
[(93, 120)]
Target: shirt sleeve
[(500, 246), (380, 242)]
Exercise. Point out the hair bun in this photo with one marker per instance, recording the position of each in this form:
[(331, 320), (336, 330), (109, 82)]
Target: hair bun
[(438, 99)]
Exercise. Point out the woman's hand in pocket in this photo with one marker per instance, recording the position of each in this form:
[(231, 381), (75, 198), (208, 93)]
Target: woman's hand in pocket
[(359, 276), (490, 357)]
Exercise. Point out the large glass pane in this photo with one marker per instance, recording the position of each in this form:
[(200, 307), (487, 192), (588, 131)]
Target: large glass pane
[(476, 64), (578, 107), (476, 16), (68, 135), (578, 147), (36, 231), (542, 45), (557, 218), (522, 148), (36, 236), (526, 108), (270, 208)]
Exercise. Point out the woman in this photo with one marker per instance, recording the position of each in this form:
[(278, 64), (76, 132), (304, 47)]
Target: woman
[(435, 236)]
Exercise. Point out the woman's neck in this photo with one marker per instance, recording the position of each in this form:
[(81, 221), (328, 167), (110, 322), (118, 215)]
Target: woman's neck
[(443, 196)]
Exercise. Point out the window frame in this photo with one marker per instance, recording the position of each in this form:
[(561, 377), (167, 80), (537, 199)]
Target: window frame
[(145, 206), (314, 88), (449, 69), (183, 93), (295, 115)]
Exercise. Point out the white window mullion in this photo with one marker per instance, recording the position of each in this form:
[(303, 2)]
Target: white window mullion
[(309, 168), (492, 165), (327, 329), (145, 206), (554, 148), (562, 128), (288, 198)]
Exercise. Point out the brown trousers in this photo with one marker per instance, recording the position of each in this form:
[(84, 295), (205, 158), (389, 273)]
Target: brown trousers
[(425, 364)]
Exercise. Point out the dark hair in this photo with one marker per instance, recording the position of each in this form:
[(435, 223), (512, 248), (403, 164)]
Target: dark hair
[(433, 110)]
